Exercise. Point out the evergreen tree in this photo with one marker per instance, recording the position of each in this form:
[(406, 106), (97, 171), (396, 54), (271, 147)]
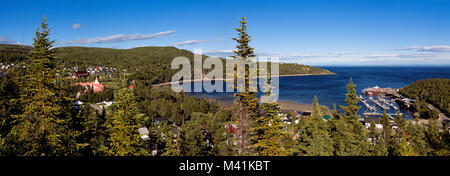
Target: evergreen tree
[(335, 113), (417, 138), (193, 139), (401, 124), (172, 145), (378, 147), (9, 106), (124, 138), (434, 138), (246, 103), (42, 128), (404, 149), (270, 128), (314, 139), (387, 133), (94, 131), (352, 134), (351, 99)]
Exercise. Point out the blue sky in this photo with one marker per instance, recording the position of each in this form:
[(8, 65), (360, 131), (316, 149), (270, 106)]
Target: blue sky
[(314, 32)]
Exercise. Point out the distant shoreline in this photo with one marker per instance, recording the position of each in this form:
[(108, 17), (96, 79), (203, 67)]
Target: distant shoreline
[(286, 105), (222, 79)]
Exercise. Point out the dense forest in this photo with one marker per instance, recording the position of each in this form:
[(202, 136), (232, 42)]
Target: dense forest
[(38, 117), (433, 91), (142, 61)]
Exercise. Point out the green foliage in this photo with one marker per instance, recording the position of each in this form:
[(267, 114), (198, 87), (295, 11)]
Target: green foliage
[(387, 129), (404, 149), (124, 138), (245, 101), (314, 138), (42, 128), (433, 91), (172, 145), (271, 132), (417, 138), (13, 53), (348, 134), (194, 142), (351, 99)]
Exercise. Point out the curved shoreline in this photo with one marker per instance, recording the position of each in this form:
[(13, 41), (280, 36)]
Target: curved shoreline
[(286, 105), (222, 79)]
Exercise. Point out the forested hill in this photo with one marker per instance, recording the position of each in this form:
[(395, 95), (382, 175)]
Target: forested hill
[(12, 53), (434, 91), (158, 58)]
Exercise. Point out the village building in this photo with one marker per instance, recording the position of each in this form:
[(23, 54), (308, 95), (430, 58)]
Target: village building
[(95, 86), (80, 74)]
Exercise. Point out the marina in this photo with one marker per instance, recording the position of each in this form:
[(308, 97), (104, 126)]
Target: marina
[(376, 100)]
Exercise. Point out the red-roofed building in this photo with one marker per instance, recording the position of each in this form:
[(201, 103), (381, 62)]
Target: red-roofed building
[(231, 128), (95, 86), (80, 74)]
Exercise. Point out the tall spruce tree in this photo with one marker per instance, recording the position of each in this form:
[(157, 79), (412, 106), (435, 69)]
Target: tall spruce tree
[(270, 129), (314, 139), (42, 129), (387, 133), (355, 140), (351, 99), (401, 126), (124, 138), (246, 102), (416, 136)]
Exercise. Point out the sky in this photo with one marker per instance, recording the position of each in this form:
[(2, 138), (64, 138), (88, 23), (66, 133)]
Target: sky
[(313, 32)]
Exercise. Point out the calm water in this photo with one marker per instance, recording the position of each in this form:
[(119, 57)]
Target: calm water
[(331, 89)]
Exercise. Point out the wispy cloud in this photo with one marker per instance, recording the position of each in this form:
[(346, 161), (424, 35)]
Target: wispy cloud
[(225, 53), (219, 53), (5, 40), (189, 42), (428, 48), (76, 26), (117, 38), (412, 55)]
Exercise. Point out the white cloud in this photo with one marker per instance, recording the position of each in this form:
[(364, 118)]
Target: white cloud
[(413, 55), (189, 42), (219, 53), (117, 38), (285, 57), (428, 48), (76, 26)]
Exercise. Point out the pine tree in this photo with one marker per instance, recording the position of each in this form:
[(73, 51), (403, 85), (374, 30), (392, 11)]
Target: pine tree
[(172, 145), (353, 138), (434, 137), (42, 128), (9, 106), (335, 113), (270, 128), (124, 138), (314, 139), (404, 149), (378, 147), (401, 124), (417, 137), (246, 103), (193, 140), (351, 99), (387, 133)]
